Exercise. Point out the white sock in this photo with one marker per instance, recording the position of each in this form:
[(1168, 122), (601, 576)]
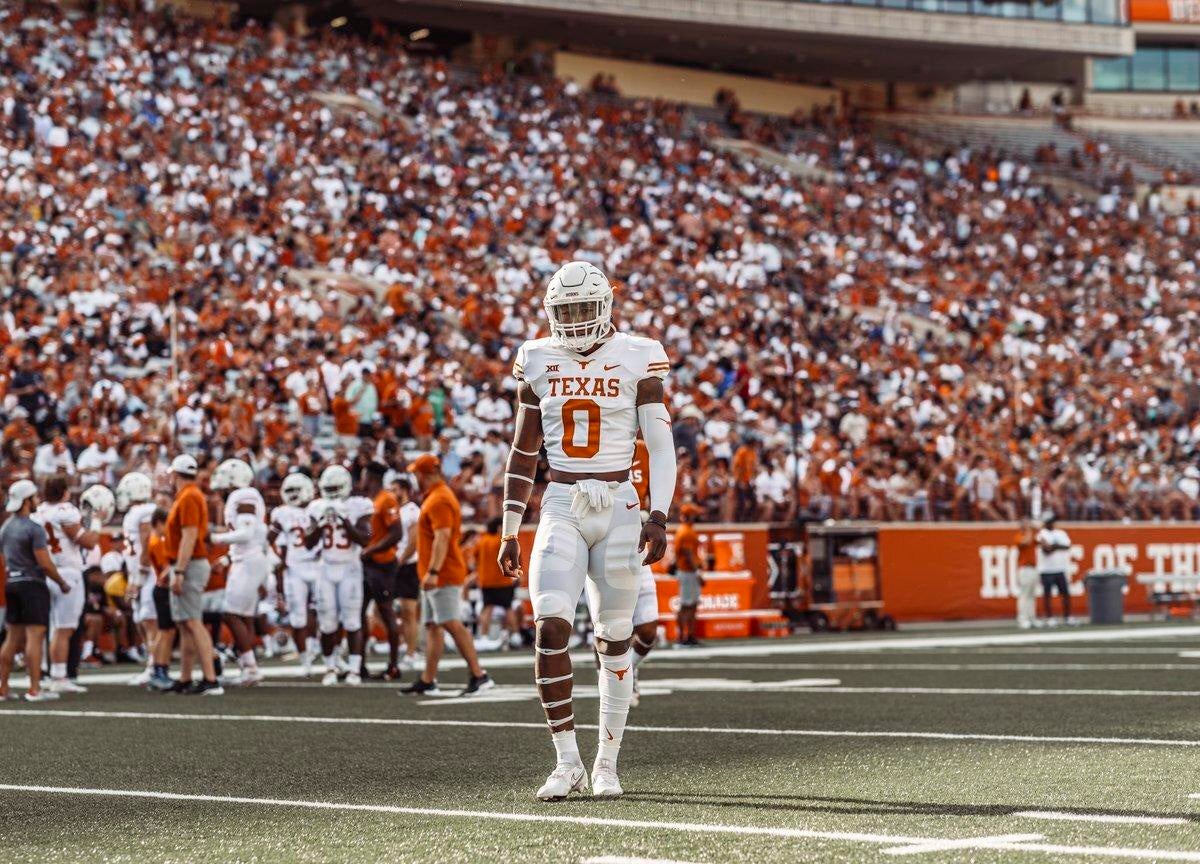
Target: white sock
[(355, 663), (58, 671), (247, 660), (616, 691), (330, 662), (312, 646), (88, 648), (566, 747)]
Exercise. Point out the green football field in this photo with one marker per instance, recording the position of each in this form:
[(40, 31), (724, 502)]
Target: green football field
[(1078, 744)]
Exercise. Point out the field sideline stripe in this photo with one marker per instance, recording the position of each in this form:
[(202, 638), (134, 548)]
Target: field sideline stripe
[(686, 730), (899, 842), (987, 691), (966, 843), (939, 667), (1056, 816)]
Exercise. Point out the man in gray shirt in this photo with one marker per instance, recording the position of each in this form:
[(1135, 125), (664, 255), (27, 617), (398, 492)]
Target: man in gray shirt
[(27, 563)]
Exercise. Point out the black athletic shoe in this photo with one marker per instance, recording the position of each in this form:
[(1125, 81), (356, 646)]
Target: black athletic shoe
[(206, 688), (180, 687), (392, 673), (421, 688), (478, 684)]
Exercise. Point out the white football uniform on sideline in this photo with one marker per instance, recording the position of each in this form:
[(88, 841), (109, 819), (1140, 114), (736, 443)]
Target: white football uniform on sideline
[(589, 426), (301, 565), (65, 609), (131, 529), (247, 540), (340, 584)]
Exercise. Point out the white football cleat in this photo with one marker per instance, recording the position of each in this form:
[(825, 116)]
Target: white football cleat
[(567, 777), (250, 677), (604, 780), (142, 679), (330, 678), (353, 679), (66, 685)]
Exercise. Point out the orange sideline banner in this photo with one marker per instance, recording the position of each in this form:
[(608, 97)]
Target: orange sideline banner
[(962, 571), (1174, 11)]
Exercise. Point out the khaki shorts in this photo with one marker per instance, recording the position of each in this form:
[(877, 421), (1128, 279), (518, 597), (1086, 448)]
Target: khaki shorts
[(689, 588), (188, 605), (440, 605)]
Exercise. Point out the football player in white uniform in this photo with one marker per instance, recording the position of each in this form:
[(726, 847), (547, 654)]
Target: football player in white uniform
[(246, 536), (341, 524), (300, 566), (134, 492), (66, 538), (583, 393)]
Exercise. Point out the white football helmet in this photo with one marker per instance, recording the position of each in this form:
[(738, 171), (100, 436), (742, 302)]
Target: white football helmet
[(297, 489), (231, 474), (578, 304), (335, 483), (99, 499), (134, 488)]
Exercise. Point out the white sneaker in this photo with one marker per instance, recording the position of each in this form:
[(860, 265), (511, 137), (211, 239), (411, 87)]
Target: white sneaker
[(353, 679), (330, 678), (250, 677), (567, 777), (341, 665), (306, 667), (604, 779), (141, 680), (66, 685), (43, 695)]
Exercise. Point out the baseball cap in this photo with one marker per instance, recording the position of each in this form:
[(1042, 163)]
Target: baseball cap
[(426, 463), (185, 464), (19, 493)]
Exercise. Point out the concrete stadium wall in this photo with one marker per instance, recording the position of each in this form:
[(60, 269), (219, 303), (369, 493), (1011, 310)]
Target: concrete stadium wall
[(693, 86)]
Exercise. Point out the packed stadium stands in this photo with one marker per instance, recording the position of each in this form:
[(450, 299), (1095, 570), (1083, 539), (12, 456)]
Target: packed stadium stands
[(343, 244)]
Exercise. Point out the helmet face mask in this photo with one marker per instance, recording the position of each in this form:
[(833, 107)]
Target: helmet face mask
[(335, 483), (578, 305), (297, 490)]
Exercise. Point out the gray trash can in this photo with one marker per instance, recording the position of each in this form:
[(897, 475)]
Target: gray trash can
[(1106, 597)]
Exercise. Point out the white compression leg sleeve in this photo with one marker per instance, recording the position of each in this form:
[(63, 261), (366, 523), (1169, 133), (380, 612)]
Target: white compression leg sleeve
[(616, 691)]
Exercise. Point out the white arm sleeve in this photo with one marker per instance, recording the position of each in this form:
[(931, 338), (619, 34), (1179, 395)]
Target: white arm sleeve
[(660, 447), (243, 533)]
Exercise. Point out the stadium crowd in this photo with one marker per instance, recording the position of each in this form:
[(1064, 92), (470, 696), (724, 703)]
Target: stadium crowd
[(349, 242)]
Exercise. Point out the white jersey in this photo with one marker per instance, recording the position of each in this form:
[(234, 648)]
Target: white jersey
[(131, 528), (336, 545), (589, 404), (63, 551), (292, 523), (248, 530)]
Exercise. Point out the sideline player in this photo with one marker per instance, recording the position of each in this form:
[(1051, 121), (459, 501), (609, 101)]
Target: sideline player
[(380, 569), (66, 538), (687, 571), (408, 586), (300, 565), (584, 392), (246, 536), (341, 524), (134, 492)]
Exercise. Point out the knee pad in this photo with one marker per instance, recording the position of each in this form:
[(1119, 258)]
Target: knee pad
[(614, 631), (554, 604)]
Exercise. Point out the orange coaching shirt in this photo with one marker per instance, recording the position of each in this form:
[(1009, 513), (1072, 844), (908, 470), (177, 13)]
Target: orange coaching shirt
[(687, 548), (190, 510), (439, 510), (487, 550), (387, 514)]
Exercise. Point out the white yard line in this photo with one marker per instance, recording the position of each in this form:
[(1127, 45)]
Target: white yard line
[(995, 691), (894, 843), (1056, 816), (965, 843), (680, 730), (621, 859), (940, 667)]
